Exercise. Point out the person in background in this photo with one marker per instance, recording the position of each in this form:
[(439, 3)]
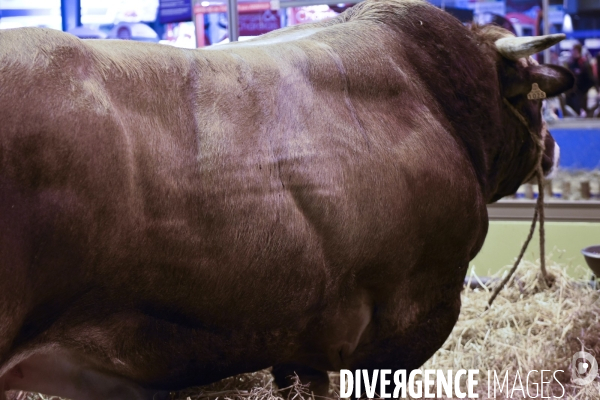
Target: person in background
[(596, 70), (594, 110), (584, 80)]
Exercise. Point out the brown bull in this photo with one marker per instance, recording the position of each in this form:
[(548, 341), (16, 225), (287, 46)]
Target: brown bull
[(308, 200)]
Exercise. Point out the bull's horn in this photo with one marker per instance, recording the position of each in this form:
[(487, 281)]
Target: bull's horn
[(514, 48)]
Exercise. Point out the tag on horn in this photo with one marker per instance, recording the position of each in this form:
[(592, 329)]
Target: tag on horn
[(536, 93)]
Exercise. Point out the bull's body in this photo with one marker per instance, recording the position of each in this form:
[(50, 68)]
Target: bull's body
[(172, 217)]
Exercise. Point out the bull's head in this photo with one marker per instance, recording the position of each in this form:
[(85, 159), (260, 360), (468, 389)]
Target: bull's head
[(523, 85)]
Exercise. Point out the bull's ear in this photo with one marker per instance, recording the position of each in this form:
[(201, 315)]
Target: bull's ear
[(550, 79)]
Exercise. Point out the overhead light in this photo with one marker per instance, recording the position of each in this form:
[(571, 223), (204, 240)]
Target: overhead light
[(567, 24)]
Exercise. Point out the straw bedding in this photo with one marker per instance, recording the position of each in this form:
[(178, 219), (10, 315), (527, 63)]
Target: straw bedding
[(526, 329)]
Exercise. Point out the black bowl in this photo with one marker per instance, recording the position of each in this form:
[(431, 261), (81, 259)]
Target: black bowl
[(592, 258)]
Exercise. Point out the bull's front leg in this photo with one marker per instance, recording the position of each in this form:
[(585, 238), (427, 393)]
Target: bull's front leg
[(396, 346)]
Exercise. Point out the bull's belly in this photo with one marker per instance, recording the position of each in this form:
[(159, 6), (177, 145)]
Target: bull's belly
[(171, 329), (166, 358), (134, 352)]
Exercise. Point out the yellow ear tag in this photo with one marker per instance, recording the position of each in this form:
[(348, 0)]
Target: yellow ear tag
[(536, 93)]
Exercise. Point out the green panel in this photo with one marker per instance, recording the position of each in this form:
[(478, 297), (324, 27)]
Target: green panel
[(564, 241)]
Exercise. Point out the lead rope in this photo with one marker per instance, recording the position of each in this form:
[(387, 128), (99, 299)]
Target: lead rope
[(545, 278), (539, 212)]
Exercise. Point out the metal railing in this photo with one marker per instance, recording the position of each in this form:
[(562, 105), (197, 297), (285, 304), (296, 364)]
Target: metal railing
[(554, 210)]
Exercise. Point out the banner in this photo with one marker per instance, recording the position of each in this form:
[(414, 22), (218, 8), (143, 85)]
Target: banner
[(174, 11)]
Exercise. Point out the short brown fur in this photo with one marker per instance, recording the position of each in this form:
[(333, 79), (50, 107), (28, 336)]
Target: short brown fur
[(309, 199)]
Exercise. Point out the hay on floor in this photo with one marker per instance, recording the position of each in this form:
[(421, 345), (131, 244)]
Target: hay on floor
[(527, 329)]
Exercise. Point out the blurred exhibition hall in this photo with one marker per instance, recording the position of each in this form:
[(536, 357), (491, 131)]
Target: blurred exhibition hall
[(199, 23)]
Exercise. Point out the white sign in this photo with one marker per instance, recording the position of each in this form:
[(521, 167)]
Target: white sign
[(114, 11)]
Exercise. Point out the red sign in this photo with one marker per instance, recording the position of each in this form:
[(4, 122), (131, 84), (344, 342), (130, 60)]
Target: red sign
[(257, 23), (254, 25), (301, 15)]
